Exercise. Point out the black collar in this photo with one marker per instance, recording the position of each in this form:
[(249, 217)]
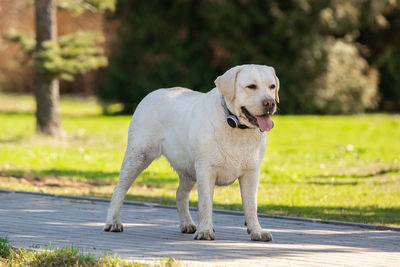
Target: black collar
[(231, 118)]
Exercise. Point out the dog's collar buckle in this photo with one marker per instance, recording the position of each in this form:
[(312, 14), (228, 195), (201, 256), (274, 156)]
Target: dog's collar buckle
[(231, 118)]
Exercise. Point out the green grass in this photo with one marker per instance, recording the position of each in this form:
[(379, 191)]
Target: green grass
[(329, 167), (65, 256), (5, 247)]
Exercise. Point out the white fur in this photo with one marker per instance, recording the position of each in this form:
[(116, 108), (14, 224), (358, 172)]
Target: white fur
[(190, 129)]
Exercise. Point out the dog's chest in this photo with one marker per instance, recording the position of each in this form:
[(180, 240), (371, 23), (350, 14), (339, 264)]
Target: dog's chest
[(239, 157), (226, 176), (235, 159)]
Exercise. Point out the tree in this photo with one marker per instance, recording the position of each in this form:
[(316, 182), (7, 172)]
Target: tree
[(46, 88), (59, 59)]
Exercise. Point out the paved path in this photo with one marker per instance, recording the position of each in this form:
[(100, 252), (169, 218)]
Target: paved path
[(151, 232)]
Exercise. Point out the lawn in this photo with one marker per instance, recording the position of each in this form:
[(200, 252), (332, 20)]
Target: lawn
[(329, 167)]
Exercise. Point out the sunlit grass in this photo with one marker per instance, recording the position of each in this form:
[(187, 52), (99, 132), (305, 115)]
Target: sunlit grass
[(65, 256), (329, 167)]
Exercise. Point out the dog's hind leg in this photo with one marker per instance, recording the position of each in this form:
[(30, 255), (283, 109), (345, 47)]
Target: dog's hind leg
[(186, 223), (135, 161)]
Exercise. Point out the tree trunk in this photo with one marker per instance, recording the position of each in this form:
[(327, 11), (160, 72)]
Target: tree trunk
[(46, 89)]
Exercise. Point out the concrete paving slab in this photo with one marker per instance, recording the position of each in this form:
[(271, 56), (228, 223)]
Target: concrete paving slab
[(151, 232)]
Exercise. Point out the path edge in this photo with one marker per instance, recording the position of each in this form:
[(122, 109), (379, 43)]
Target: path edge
[(220, 211)]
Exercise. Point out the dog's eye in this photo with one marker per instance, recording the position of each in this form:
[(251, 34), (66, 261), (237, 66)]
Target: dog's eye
[(252, 86), (272, 86)]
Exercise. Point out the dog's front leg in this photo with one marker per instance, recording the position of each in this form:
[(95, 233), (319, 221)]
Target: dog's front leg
[(205, 187), (248, 190)]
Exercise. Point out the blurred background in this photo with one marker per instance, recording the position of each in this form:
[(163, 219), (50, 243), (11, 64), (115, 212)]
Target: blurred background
[(332, 56)]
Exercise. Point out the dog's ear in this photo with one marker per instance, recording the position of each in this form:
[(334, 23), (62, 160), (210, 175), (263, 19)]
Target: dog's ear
[(277, 85), (226, 83)]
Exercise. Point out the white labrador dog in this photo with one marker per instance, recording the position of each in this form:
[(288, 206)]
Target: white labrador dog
[(209, 138)]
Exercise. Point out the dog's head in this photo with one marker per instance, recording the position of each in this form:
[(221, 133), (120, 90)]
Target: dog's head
[(251, 92)]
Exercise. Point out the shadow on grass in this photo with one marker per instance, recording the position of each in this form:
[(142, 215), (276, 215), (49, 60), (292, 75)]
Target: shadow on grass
[(63, 115), (91, 176), (147, 178), (352, 179), (368, 214), (360, 175), (11, 140), (17, 113), (334, 182)]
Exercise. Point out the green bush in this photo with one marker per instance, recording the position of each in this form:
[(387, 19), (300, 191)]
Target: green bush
[(373, 26), (349, 85), (190, 43)]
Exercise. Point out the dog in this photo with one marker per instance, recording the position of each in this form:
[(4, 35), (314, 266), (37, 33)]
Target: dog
[(209, 138)]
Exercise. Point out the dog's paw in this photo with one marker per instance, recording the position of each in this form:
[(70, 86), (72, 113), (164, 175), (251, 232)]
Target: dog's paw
[(188, 228), (261, 236), (204, 234), (113, 227)]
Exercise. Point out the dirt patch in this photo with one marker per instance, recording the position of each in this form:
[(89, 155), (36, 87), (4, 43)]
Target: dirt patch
[(69, 185), (53, 181)]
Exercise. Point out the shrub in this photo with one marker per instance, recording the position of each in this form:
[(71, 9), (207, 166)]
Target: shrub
[(318, 47), (190, 43), (348, 85)]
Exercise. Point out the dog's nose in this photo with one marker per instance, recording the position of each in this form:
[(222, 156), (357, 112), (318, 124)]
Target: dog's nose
[(269, 103)]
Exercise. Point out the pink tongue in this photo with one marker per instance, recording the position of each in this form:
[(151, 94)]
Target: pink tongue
[(265, 123)]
